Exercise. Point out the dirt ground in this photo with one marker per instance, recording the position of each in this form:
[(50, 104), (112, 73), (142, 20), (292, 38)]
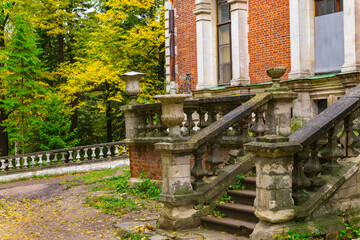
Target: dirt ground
[(45, 209)]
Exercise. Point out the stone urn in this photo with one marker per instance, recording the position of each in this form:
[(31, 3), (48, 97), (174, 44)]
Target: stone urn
[(132, 82), (276, 73), (172, 111)]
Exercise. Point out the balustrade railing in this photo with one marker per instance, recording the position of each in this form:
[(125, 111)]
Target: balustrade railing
[(329, 137), (199, 114), (90, 153)]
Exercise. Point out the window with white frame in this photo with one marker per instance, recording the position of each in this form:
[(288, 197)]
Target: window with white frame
[(224, 42)]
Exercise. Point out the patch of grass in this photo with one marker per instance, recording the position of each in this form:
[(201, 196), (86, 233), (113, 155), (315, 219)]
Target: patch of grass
[(90, 177), (146, 189), (114, 205), (290, 234), (134, 236)]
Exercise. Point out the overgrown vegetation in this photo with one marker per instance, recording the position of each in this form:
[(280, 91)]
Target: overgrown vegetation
[(122, 198), (238, 183), (350, 232), (290, 234)]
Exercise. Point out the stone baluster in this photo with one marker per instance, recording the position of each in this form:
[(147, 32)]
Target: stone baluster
[(86, 156), (124, 150), (71, 156), (141, 128), (198, 171), (17, 160), (259, 127), (10, 166), (313, 166), (274, 158), (214, 159), (211, 118), (101, 154), (33, 161), (202, 122), (55, 160), (3, 165), (48, 158), (25, 164), (332, 152), (108, 154), (189, 122), (93, 155), (150, 124), (40, 160), (63, 159), (116, 150), (78, 157), (300, 181), (160, 126), (348, 138)]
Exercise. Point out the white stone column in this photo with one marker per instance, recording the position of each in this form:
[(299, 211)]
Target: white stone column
[(352, 36), (302, 35), (239, 42), (206, 43)]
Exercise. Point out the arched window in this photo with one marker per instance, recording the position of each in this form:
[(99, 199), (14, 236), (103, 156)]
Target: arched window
[(224, 42)]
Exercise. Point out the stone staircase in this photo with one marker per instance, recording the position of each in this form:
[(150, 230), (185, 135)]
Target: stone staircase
[(240, 219)]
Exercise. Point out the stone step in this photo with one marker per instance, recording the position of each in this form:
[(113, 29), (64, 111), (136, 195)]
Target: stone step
[(243, 196), (249, 183), (230, 225), (238, 211)]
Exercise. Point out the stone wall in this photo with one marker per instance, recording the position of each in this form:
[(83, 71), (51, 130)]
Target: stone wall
[(345, 199)]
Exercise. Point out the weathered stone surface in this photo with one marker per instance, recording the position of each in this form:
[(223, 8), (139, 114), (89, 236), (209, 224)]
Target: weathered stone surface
[(275, 216), (322, 122), (271, 166), (306, 135), (229, 119), (339, 109), (265, 230), (353, 93), (273, 150), (274, 200), (273, 182)]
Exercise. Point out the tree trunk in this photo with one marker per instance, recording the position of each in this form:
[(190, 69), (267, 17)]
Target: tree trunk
[(108, 114), (4, 139), (61, 48)]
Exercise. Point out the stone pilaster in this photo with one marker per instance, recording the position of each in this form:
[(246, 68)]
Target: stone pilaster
[(351, 36), (206, 44), (302, 31), (274, 165), (239, 42)]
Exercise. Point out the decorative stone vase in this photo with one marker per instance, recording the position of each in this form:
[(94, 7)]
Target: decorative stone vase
[(276, 73), (172, 111), (132, 81)]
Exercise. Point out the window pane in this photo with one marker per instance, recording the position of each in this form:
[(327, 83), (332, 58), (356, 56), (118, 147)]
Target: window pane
[(223, 13), (324, 7), (224, 35), (224, 54), (225, 74)]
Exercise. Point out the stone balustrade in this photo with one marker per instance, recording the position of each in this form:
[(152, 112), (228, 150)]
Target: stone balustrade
[(143, 121), (62, 157)]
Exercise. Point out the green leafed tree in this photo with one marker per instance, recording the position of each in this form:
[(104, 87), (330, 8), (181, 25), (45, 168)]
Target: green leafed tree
[(24, 92)]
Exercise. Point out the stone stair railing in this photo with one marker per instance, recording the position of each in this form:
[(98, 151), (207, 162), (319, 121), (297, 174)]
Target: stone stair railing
[(188, 163), (296, 174), (62, 157)]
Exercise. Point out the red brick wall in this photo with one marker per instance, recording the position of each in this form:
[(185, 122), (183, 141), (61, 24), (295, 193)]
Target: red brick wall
[(186, 59), (144, 158), (269, 37)]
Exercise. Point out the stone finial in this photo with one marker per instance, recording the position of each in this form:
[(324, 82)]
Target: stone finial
[(276, 73)]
